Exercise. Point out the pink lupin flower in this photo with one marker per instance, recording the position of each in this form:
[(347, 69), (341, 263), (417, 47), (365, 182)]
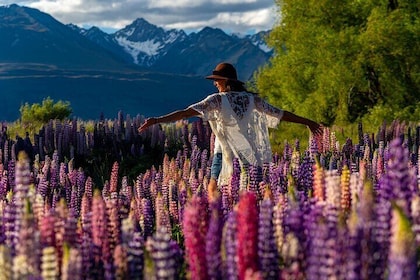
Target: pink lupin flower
[(113, 182), (319, 182), (195, 228), (247, 232)]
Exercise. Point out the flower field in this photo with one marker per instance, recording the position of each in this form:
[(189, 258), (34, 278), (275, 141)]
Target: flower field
[(327, 211)]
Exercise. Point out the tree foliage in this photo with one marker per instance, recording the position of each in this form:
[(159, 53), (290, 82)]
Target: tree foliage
[(32, 116), (340, 62)]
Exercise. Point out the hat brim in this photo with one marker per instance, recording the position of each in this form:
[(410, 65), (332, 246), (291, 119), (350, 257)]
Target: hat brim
[(217, 77)]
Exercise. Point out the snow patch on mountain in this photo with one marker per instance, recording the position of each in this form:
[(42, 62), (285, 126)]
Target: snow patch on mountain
[(149, 47)]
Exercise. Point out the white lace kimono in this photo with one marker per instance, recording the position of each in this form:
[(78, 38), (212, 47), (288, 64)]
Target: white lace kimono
[(240, 121)]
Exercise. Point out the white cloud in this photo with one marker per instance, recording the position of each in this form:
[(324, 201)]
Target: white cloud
[(233, 15)]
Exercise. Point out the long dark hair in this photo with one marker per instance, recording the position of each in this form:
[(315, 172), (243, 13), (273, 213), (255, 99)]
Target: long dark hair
[(232, 85)]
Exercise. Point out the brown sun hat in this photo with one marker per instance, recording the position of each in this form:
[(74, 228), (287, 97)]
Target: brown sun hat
[(224, 71)]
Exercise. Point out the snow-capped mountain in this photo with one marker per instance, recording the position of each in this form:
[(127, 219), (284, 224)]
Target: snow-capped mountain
[(145, 42), (174, 51)]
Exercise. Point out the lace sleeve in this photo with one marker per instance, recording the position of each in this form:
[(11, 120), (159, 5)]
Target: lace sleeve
[(208, 107), (273, 114)]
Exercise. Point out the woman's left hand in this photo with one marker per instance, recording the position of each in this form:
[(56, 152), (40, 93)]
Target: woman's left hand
[(316, 129), (148, 122)]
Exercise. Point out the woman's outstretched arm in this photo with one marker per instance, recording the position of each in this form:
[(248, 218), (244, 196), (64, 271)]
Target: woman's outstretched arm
[(171, 117), (315, 127)]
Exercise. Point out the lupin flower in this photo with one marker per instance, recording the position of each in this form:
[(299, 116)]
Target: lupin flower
[(102, 253), (49, 264), (402, 260), (5, 262), (267, 250), (135, 255), (162, 214), (397, 182), (163, 255), (120, 262), (235, 181), (147, 217), (27, 246), (113, 182), (332, 188), (318, 182), (173, 202), (195, 228), (230, 264), (214, 239), (305, 174), (345, 189), (247, 234)]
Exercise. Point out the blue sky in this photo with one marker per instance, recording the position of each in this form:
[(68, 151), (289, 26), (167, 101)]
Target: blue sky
[(233, 16)]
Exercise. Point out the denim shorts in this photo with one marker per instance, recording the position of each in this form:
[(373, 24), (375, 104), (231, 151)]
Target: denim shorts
[(216, 166)]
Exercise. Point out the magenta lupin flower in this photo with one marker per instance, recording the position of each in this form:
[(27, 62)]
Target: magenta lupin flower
[(247, 234), (195, 229), (47, 229)]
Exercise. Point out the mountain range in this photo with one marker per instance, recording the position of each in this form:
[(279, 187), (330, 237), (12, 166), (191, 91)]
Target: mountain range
[(140, 69)]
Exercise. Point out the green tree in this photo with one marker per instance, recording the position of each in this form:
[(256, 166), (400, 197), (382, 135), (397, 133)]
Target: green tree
[(33, 116), (340, 62)]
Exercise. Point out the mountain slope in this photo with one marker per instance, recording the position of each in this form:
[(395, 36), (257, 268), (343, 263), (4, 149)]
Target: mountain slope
[(30, 36)]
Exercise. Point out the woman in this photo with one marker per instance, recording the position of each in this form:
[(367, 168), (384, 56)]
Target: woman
[(239, 119)]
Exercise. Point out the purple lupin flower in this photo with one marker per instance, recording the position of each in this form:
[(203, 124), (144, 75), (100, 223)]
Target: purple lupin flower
[(72, 264), (235, 181), (305, 174), (135, 256), (366, 221), (148, 217), (415, 213), (293, 252), (27, 247), (402, 260), (163, 255), (10, 224), (195, 228), (397, 182), (267, 250), (351, 248), (318, 260), (230, 265), (214, 239)]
